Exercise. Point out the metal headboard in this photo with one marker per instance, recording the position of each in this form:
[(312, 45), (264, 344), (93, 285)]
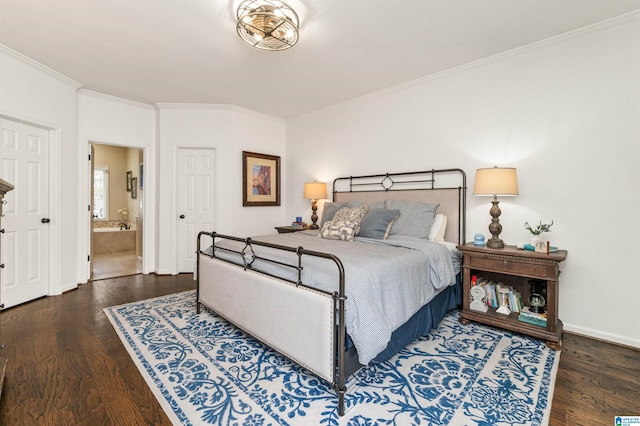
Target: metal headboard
[(447, 187)]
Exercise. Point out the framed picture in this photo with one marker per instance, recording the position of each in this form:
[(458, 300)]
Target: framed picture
[(129, 176), (134, 188), (260, 179)]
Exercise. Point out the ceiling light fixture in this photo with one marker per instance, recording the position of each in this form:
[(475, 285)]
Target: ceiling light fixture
[(267, 24)]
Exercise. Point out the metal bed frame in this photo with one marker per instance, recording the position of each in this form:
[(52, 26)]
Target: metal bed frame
[(343, 363)]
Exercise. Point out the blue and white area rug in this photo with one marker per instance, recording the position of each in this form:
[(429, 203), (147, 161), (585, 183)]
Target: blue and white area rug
[(205, 371)]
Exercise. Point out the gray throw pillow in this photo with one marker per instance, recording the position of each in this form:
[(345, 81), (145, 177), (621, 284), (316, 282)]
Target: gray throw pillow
[(415, 218), (377, 223), (329, 210)]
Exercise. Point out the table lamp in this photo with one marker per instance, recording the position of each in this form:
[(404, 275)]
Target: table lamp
[(496, 181), (315, 191)]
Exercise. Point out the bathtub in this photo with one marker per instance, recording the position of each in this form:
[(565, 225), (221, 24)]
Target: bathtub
[(111, 230), (112, 240)]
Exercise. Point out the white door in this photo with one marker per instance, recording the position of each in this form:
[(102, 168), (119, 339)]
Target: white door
[(24, 163), (195, 202)]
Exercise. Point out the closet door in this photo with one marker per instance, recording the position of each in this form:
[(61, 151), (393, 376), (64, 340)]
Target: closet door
[(195, 195), (24, 160)]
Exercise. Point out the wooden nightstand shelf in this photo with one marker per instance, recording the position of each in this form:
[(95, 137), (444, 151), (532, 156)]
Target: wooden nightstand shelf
[(514, 267), (288, 229)]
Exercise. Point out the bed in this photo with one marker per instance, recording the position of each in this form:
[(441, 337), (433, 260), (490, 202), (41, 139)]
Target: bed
[(381, 271)]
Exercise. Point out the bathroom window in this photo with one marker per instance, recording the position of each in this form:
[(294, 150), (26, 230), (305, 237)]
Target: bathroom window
[(100, 191)]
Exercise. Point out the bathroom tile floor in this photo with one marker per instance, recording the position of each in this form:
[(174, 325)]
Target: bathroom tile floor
[(119, 264)]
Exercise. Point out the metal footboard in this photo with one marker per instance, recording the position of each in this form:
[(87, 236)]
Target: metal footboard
[(245, 297)]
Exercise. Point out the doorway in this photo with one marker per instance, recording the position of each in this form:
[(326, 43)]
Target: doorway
[(117, 206)]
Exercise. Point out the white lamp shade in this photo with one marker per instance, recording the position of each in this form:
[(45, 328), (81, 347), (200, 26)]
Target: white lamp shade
[(315, 190), (496, 181)]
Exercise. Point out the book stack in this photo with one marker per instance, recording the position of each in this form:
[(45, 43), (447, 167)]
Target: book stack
[(492, 290), (299, 225), (533, 317)]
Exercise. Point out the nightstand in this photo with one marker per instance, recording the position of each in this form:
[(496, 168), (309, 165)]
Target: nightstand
[(288, 229), (514, 268)]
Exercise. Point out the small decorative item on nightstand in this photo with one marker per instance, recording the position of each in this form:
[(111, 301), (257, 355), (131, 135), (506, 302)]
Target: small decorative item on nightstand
[(504, 302), (478, 296), (537, 296), (478, 301), (536, 239)]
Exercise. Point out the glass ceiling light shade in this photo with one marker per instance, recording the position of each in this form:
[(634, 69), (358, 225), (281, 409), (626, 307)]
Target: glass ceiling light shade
[(267, 24)]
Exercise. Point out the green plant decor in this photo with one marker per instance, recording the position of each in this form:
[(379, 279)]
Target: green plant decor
[(542, 227)]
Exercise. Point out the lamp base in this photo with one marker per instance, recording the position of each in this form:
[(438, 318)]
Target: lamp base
[(495, 243), (495, 228), (314, 215)]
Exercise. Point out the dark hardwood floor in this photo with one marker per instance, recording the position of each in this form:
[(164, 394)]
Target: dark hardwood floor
[(66, 365)]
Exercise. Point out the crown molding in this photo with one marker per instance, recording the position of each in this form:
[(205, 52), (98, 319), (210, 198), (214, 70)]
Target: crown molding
[(37, 65), (551, 41), (116, 99), (167, 105), (220, 107), (258, 114)]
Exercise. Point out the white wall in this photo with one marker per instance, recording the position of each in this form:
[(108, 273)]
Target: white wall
[(229, 131), (41, 97), (255, 132), (109, 120), (565, 113)]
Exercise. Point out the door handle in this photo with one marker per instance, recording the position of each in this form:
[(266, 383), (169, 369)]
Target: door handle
[(181, 216), (45, 220)]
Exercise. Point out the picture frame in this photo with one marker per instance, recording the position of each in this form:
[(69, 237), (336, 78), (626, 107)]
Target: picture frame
[(134, 188), (260, 179), (129, 176)]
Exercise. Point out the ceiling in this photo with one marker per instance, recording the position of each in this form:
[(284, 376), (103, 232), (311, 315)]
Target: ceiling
[(187, 51)]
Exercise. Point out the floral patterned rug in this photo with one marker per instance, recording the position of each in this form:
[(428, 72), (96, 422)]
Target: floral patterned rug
[(205, 371)]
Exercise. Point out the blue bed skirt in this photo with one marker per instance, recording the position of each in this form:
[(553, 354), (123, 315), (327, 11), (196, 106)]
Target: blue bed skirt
[(423, 321)]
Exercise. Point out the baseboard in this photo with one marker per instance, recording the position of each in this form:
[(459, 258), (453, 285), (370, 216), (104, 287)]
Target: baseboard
[(606, 337)]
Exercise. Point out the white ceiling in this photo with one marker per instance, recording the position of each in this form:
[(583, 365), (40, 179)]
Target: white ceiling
[(187, 51)]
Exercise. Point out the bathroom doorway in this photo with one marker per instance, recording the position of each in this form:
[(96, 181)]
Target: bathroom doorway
[(117, 183)]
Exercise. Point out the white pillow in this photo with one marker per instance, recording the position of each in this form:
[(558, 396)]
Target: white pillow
[(438, 228)]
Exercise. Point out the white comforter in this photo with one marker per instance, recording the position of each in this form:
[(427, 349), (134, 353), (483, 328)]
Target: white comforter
[(386, 281)]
